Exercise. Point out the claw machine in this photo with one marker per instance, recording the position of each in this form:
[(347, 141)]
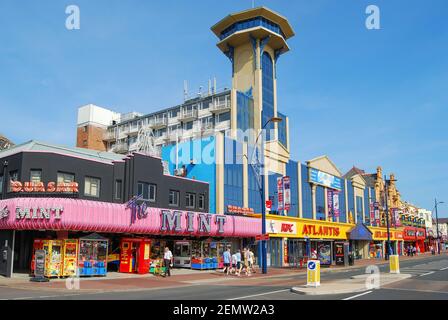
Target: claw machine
[(53, 258), (92, 257), (182, 254), (70, 257)]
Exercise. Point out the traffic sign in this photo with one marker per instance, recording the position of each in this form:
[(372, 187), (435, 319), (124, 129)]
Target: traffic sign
[(269, 204), (313, 273)]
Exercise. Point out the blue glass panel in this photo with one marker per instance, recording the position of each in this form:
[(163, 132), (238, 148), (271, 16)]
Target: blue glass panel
[(307, 199), (268, 92), (342, 215), (292, 173), (320, 203), (282, 130)]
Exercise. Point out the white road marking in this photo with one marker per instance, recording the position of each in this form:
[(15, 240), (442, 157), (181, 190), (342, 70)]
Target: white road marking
[(260, 294), (358, 295), (427, 274), (444, 269), (417, 290)]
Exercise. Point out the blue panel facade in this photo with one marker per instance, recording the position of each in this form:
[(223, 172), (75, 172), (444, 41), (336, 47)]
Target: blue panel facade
[(273, 194), (359, 217), (307, 197), (245, 111), (204, 169), (292, 172), (367, 206), (251, 23), (351, 201), (282, 133), (233, 173), (268, 92), (342, 207), (320, 203), (254, 185)]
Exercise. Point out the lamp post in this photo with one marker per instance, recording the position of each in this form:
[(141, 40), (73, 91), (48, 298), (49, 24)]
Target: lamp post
[(3, 190), (387, 219), (264, 265), (437, 224)]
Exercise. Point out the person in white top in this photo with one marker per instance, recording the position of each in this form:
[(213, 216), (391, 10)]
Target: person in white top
[(251, 261), (234, 264), (168, 261)]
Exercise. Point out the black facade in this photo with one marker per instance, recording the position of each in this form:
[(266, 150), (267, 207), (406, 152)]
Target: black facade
[(119, 180)]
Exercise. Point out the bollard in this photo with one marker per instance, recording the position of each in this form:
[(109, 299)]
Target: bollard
[(313, 273), (394, 262)]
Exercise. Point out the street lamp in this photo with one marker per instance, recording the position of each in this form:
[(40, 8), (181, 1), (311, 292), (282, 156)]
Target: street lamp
[(437, 225), (261, 187), (3, 190), (387, 219)]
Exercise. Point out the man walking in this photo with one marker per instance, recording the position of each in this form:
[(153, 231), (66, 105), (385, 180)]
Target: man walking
[(167, 261), (227, 257), (239, 266)]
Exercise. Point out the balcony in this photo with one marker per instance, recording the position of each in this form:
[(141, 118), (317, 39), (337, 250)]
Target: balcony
[(205, 130), (121, 148), (109, 136), (133, 131), (220, 106), (188, 115), (160, 139), (159, 123)]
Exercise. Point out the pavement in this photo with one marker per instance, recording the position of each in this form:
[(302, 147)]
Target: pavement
[(427, 277)]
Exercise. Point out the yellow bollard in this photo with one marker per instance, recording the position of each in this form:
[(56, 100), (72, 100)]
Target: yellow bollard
[(313, 273), (394, 264)]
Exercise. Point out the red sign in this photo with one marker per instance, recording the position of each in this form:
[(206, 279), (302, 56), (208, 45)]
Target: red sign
[(313, 230), (51, 187), (239, 210), (269, 204), (262, 237)]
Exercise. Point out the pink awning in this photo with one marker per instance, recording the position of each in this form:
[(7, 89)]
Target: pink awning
[(61, 214)]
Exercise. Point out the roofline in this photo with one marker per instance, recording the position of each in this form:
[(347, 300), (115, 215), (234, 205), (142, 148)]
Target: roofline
[(231, 17), (326, 157)]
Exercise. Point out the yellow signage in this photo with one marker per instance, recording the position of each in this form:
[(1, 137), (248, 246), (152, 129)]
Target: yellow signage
[(381, 234), (313, 273)]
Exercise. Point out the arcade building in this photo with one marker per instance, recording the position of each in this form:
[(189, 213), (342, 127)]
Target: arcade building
[(94, 212)]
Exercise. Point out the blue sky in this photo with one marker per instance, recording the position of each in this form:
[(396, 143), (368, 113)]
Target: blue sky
[(363, 97)]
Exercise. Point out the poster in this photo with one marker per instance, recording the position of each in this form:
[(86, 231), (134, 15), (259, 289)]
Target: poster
[(287, 193), (324, 253), (372, 213), (339, 253), (377, 213), (333, 203), (280, 194)]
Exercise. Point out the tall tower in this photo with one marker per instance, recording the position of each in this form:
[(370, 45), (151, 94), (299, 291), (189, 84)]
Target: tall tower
[(253, 40)]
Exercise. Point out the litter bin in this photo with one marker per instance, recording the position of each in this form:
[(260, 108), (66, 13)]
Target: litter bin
[(351, 259)]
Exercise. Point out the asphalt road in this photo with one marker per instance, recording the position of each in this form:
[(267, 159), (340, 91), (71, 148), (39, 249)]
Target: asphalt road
[(429, 281)]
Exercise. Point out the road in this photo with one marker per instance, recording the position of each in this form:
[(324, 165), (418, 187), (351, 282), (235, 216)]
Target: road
[(429, 281)]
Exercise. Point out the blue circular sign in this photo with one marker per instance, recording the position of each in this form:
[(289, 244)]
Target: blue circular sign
[(311, 265)]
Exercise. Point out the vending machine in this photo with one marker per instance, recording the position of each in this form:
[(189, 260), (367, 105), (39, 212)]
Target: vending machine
[(135, 255), (38, 244), (70, 258)]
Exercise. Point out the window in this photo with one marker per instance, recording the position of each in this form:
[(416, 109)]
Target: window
[(201, 202), (174, 198), (147, 191), (118, 186), (188, 125), (223, 117), (65, 177), (190, 200), (92, 187), (35, 176), (1, 183), (84, 128), (13, 176)]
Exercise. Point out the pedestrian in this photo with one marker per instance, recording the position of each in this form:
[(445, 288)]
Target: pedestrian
[(414, 251), (239, 266), (433, 252), (227, 260), (167, 261), (246, 261), (234, 264), (251, 261)]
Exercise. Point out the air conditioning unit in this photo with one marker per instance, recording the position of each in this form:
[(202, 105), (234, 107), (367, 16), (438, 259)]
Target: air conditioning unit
[(179, 172)]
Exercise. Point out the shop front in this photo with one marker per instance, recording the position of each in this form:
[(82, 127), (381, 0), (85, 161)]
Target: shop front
[(414, 237), (360, 238), (294, 240), (377, 247), (84, 237)]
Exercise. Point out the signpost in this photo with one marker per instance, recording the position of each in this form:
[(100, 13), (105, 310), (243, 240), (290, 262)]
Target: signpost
[(313, 273), (39, 267)]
